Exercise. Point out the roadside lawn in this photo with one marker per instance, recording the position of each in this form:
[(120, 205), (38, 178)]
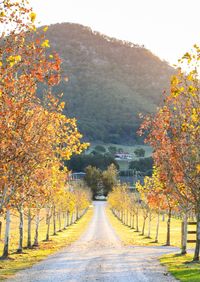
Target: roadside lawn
[(182, 267), (17, 262), (131, 237)]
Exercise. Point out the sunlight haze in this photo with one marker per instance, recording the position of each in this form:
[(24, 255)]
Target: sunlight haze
[(167, 28)]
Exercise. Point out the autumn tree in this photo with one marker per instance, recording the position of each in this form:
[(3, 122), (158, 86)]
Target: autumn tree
[(33, 130), (174, 134), (92, 179), (109, 179)]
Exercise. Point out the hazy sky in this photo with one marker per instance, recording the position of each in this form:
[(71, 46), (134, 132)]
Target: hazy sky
[(168, 28)]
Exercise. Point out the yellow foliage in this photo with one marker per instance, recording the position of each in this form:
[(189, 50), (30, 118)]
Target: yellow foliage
[(32, 17), (45, 44), (45, 28), (14, 60)]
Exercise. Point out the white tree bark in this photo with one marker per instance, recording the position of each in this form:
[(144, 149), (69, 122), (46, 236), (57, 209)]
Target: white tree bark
[(7, 235)]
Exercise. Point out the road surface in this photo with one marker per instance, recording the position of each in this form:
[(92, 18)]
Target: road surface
[(99, 256)]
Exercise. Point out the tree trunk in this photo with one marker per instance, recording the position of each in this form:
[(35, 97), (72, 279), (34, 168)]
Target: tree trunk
[(143, 227), (65, 221), (149, 227), (133, 221), (197, 247), (29, 229), (72, 218), (184, 234), (124, 217), (7, 235), (68, 214), (37, 222), (157, 227), (21, 230), (59, 220), (48, 221), (137, 220), (168, 227), (127, 216), (54, 220), (77, 214), (121, 215), (0, 229)]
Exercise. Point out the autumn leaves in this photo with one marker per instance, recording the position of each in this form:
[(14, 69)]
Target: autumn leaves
[(35, 137), (174, 134)]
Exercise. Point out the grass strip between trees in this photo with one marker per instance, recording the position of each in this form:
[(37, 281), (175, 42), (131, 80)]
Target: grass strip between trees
[(17, 262), (131, 237), (182, 267)]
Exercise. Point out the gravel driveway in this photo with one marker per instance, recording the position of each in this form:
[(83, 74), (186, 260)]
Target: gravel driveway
[(99, 256)]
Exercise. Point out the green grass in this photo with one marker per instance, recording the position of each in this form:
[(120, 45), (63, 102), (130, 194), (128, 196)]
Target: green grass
[(17, 262), (126, 148), (124, 164), (130, 237), (182, 267)]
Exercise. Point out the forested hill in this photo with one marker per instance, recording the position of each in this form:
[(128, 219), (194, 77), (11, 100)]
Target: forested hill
[(110, 81)]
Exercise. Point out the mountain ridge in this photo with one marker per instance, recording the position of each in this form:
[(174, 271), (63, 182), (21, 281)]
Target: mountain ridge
[(110, 82)]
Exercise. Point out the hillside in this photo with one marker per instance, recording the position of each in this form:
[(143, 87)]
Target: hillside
[(110, 82)]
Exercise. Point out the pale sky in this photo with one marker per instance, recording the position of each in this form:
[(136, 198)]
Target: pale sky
[(169, 28)]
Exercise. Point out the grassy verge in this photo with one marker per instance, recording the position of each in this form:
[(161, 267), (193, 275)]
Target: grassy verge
[(130, 237), (17, 262), (126, 148), (182, 267)]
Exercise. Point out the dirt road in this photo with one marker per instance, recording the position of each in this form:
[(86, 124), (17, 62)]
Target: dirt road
[(99, 256)]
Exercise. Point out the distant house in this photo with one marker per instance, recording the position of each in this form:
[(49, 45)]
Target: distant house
[(123, 156), (76, 176)]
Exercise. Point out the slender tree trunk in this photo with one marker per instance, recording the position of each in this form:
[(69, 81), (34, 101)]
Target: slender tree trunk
[(143, 227), (21, 231), (137, 220), (29, 229), (117, 214), (184, 234), (157, 227), (37, 222), (168, 227), (0, 229), (133, 221), (54, 220), (7, 235), (72, 218), (124, 217), (149, 226), (121, 215), (163, 217), (59, 220), (77, 214), (197, 247), (130, 219), (68, 214), (65, 220), (48, 221), (127, 216)]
